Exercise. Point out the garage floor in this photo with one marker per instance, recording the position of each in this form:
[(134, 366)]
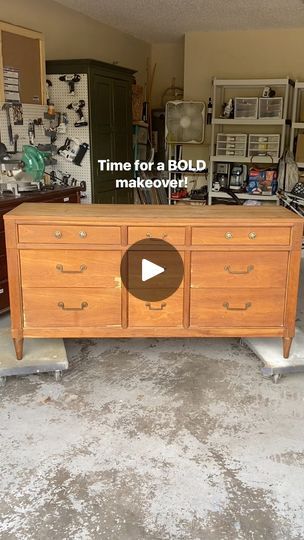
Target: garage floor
[(153, 440)]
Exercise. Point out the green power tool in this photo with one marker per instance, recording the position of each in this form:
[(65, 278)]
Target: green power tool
[(34, 161)]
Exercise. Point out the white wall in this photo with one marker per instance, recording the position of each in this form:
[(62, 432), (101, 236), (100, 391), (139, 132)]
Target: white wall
[(169, 60)]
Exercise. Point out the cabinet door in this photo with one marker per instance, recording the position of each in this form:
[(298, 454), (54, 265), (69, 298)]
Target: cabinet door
[(122, 111), (122, 120), (107, 197), (111, 133), (102, 133), (124, 196)]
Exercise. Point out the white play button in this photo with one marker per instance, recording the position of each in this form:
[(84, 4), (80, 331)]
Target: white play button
[(150, 270)]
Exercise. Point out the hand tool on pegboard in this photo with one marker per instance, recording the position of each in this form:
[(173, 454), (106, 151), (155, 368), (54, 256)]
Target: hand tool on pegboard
[(6, 107), (71, 80), (77, 106)]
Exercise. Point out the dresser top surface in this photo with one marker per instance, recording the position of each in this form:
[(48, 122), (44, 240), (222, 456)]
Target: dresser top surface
[(154, 214)]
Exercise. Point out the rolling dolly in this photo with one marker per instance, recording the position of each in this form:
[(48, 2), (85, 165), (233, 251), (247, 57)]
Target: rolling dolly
[(269, 349), (41, 356)]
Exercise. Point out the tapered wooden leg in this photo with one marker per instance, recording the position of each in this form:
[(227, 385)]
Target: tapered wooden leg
[(18, 343), (287, 341)]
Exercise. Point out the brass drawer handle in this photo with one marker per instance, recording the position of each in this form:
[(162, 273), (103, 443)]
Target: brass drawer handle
[(227, 306), (60, 268), (148, 305), (228, 235), (83, 234), (58, 234), (81, 308), (149, 235), (252, 236), (250, 268)]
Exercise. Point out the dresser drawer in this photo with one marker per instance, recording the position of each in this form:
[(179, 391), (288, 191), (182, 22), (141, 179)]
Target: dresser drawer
[(238, 269), (173, 235), (251, 236), (4, 295), (242, 307), (165, 259), (63, 307), (68, 234), (73, 268), (165, 313)]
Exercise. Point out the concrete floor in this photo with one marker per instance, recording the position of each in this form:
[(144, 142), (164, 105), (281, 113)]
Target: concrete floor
[(153, 440)]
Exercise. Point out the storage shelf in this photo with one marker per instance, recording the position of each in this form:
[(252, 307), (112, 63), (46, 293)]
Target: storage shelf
[(224, 195), (295, 124), (254, 83), (250, 121), (244, 159), (273, 130)]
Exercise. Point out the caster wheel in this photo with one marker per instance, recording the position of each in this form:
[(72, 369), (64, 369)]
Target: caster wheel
[(2, 381), (276, 378), (58, 375)]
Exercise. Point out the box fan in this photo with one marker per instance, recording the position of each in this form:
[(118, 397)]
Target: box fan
[(185, 122)]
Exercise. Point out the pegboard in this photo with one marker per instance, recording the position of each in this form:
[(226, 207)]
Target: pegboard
[(30, 112), (60, 96)]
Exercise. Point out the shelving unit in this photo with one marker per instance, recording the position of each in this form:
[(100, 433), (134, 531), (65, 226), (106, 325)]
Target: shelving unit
[(250, 121), (296, 124), (174, 151), (223, 90)]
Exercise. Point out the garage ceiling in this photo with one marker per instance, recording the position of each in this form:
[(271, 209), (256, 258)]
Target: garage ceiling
[(167, 20)]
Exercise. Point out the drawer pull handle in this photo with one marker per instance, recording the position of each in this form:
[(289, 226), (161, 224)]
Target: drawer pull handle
[(83, 234), (60, 268), (252, 236), (149, 235), (148, 305), (250, 268), (228, 235), (227, 306), (81, 308), (58, 234), (1, 291)]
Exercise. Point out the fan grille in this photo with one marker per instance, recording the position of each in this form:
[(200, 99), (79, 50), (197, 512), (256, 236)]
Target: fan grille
[(185, 122)]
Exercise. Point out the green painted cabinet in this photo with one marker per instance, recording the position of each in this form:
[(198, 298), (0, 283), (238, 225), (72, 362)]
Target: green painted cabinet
[(110, 121)]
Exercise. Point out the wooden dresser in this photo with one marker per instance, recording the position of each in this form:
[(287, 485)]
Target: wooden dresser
[(241, 271), (7, 203)]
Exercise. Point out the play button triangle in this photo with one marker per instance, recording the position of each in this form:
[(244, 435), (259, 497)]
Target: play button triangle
[(150, 270)]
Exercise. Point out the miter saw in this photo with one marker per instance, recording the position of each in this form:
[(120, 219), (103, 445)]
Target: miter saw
[(22, 171)]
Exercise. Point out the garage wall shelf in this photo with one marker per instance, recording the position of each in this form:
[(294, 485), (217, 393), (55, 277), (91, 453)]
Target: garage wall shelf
[(223, 90)]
